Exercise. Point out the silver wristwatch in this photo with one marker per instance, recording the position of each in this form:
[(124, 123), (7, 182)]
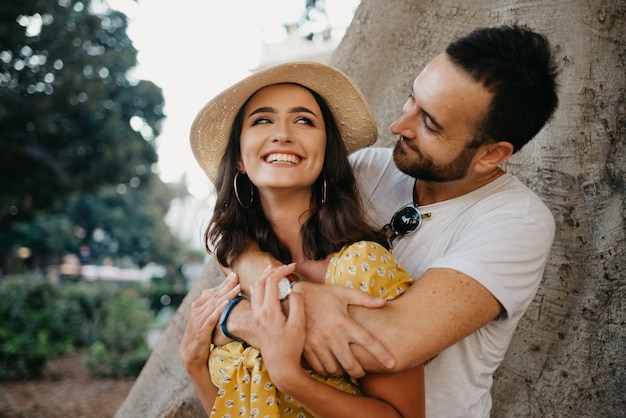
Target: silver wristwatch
[(285, 284)]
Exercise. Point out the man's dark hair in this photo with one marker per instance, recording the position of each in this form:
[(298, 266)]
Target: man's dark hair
[(517, 66)]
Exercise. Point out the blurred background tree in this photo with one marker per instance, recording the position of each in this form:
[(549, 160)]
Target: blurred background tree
[(77, 136), (78, 182)]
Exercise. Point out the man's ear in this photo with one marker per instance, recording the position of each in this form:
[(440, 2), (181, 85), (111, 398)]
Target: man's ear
[(492, 155)]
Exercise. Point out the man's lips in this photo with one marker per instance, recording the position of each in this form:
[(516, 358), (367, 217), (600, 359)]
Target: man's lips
[(410, 145)]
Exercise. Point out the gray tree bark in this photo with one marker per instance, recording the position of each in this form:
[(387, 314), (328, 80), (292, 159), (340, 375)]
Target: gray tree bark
[(163, 388), (567, 357)]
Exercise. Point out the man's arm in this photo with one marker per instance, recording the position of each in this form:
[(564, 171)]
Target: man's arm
[(250, 264), (439, 309), (249, 267)]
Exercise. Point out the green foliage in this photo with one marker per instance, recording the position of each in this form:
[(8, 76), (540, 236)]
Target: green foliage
[(50, 233), (73, 121), (67, 102), (131, 219), (121, 349), (157, 294), (40, 321), (32, 327)]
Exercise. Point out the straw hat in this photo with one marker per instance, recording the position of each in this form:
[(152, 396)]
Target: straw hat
[(210, 130)]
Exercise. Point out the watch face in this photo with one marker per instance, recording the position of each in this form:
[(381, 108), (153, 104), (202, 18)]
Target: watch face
[(284, 287)]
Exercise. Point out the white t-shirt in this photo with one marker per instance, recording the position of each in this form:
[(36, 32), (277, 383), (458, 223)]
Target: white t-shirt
[(500, 235)]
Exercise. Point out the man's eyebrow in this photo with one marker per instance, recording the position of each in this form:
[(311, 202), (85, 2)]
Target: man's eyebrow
[(428, 115)]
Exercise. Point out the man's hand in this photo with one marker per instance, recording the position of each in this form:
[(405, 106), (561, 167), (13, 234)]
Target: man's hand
[(331, 331), (313, 270)]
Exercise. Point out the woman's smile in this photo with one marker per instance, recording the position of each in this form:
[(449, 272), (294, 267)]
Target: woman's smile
[(282, 158)]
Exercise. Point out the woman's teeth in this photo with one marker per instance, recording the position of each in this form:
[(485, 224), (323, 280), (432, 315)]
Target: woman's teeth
[(282, 158)]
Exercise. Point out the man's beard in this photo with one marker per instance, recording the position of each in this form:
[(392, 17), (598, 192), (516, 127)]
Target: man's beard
[(425, 169)]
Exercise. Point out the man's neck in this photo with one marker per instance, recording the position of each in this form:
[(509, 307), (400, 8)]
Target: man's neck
[(427, 193)]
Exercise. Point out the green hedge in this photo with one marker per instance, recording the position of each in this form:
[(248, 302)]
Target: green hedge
[(40, 321)]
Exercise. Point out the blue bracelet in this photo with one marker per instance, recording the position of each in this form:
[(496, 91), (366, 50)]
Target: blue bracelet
[(224, 317)]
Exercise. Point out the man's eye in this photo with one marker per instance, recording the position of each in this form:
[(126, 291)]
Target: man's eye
[(428, 124)]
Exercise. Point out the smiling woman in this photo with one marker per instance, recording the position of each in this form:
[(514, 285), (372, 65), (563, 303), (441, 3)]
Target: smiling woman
[(201, 32), (281, 137), (290, 138)]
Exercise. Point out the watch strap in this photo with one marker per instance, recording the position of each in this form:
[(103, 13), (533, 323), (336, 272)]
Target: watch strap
[(224, 317)]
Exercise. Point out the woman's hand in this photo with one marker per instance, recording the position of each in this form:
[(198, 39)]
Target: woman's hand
[(203, 317), (280, 338)]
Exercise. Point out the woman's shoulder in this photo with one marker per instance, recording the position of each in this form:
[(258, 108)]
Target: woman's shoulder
[(369, 267)]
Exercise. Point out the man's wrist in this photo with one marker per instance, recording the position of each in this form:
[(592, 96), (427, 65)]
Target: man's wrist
[(239, 319), (224, 317)]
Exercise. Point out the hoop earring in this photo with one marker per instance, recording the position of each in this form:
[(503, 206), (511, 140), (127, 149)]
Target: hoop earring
[(324, 191), (237, 193)]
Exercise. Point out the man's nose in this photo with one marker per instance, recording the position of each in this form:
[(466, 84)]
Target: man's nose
[(402, 127)]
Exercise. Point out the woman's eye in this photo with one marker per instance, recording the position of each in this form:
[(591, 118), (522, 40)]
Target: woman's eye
[(261, 121), (305, 121)]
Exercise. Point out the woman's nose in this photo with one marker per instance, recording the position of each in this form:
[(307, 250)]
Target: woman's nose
[(281, 136)]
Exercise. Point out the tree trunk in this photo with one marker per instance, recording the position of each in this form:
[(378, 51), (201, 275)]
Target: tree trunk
[(163, 388), (567, 357)]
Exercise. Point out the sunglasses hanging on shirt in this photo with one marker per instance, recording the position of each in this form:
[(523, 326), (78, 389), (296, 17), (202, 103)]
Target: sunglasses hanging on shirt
[(405, 221)]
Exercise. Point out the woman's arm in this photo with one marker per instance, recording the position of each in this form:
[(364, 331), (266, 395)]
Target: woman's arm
[(404, 390), (281, 340), (196, 343)]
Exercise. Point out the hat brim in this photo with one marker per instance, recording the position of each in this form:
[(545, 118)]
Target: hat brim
[(211, 128)]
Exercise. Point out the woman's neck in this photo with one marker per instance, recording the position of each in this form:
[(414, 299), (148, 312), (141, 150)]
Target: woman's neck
[(286, 213)]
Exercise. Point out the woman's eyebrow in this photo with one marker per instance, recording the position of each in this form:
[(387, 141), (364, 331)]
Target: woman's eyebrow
[(269, 109), (301, 109), (265, 109)]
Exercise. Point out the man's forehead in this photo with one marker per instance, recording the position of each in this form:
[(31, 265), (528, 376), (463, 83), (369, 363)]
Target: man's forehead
[(420, 75), (427, 68)]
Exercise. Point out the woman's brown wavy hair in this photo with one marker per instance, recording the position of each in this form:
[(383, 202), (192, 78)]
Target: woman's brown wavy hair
[(338, 221)]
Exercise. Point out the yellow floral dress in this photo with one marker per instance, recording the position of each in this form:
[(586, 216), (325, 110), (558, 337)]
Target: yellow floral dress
[(238, 371)]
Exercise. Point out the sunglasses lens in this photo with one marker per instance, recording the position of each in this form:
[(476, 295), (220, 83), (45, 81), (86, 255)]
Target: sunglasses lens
[(406, 220)]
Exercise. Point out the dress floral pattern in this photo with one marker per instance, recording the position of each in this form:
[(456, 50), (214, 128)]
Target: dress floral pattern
[(238, 371)]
